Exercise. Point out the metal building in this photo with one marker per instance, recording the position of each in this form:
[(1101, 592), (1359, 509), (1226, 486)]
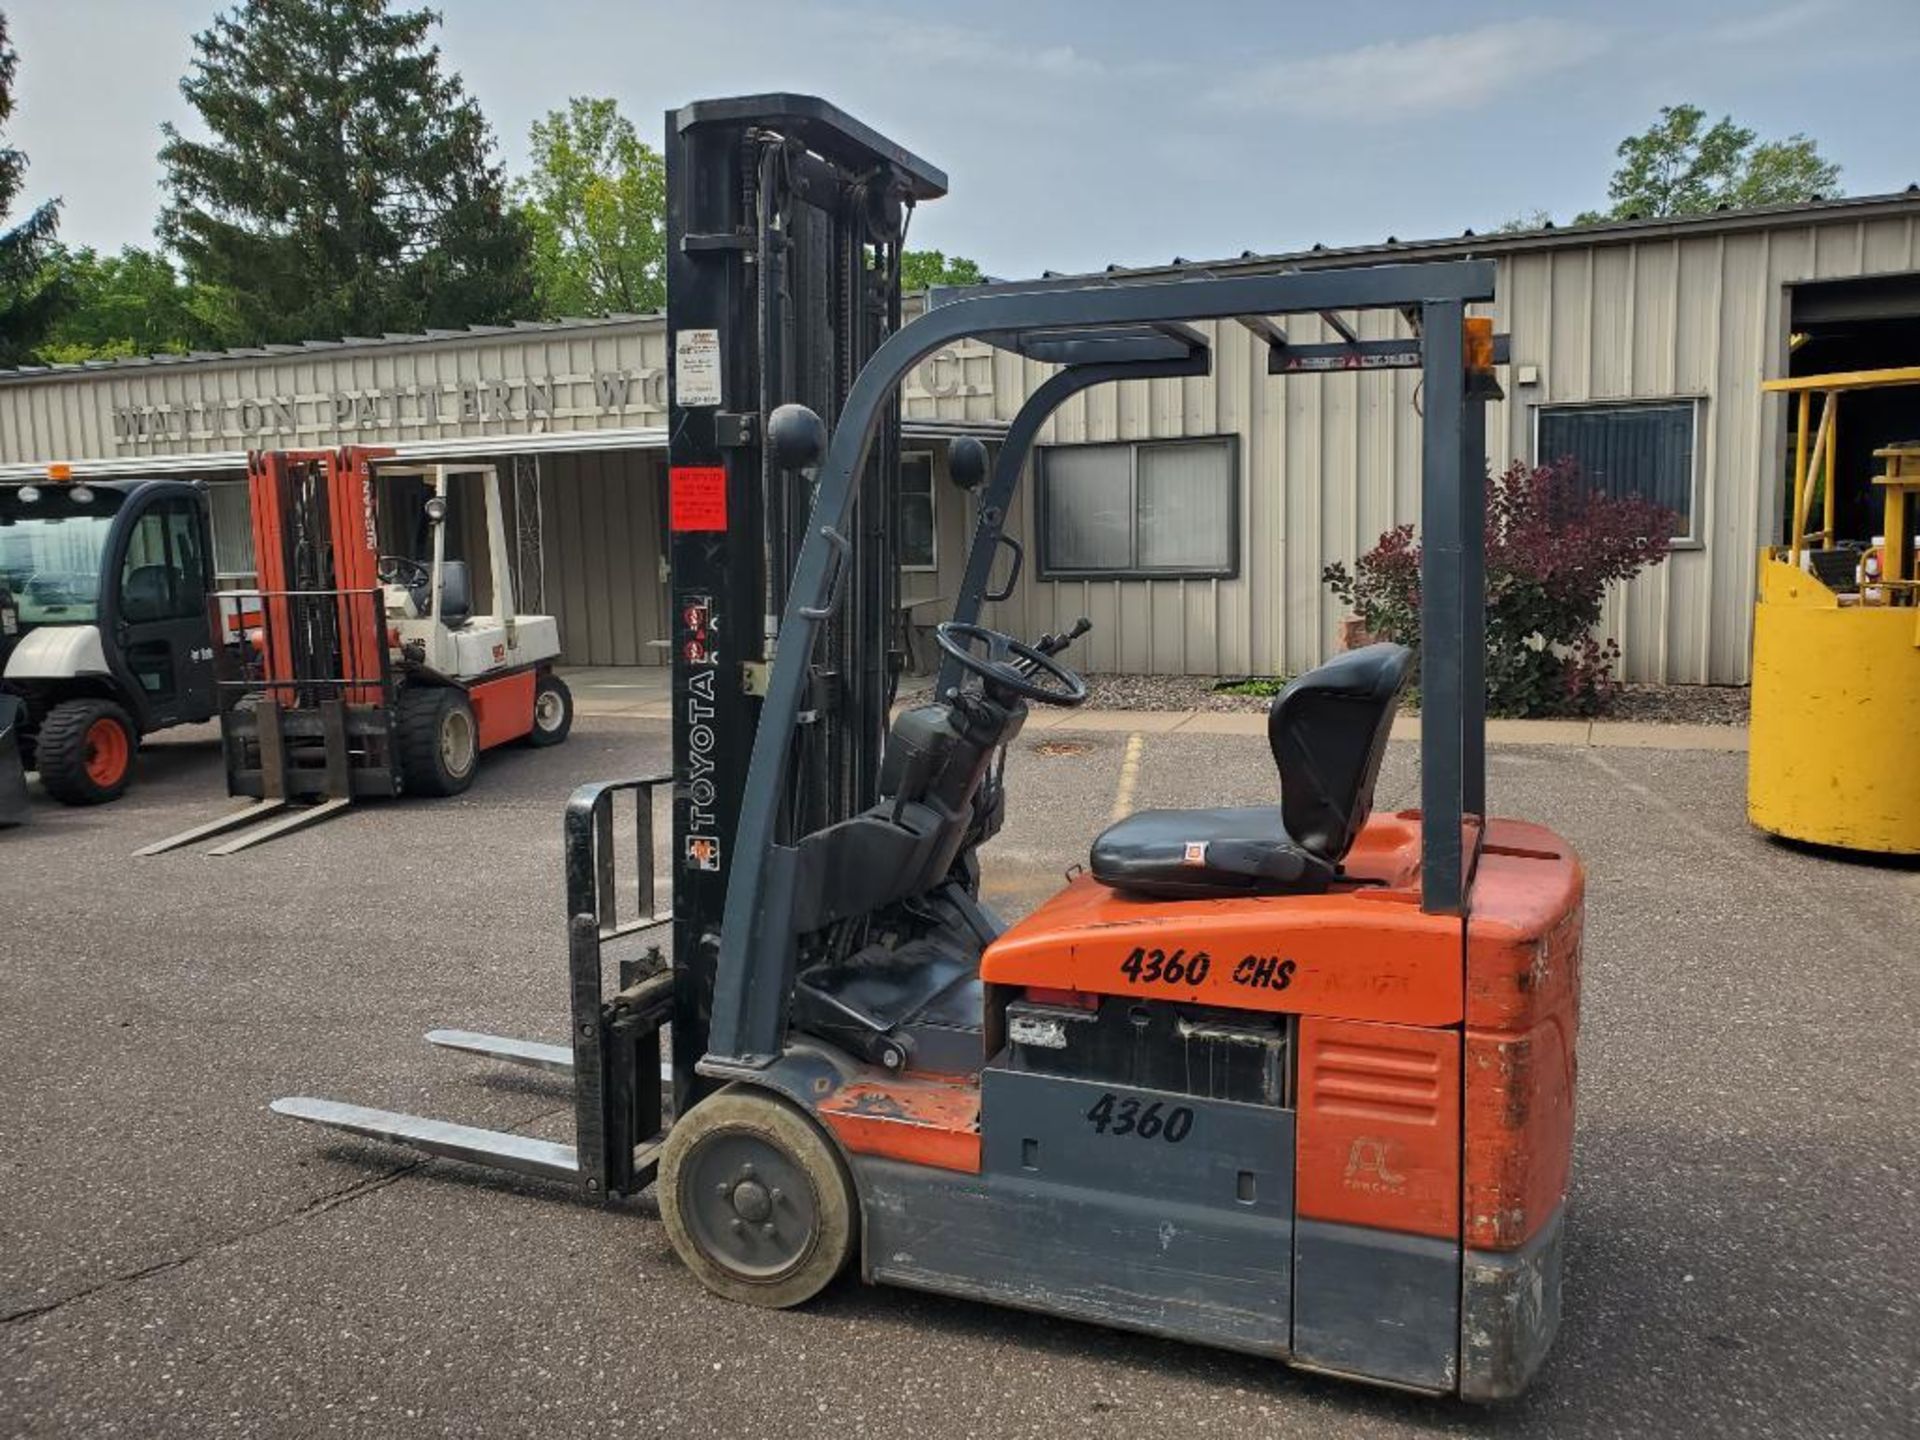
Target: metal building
[(1642, 343)]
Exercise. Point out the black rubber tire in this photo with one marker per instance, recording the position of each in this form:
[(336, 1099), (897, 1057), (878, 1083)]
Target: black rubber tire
[(815, 1226), (62, 752), (553, 689), (429, 755)]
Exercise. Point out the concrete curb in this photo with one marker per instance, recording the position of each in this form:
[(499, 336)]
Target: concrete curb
[(595, 694), (1598, 734)]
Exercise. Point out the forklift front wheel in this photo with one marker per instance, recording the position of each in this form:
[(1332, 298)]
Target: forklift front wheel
[(85, 751), (439, 741), (756, 1201), (552, 711)]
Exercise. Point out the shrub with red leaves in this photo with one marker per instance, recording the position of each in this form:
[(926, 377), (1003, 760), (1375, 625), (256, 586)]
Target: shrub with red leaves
[(1553, 546)]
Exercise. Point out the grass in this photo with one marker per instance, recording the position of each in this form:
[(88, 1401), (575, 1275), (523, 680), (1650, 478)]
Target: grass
[(1260, 686), (1264, 687)]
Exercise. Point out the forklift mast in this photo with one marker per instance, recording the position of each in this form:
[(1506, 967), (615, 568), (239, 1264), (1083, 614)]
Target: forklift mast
[(785, 224), (316, 553)]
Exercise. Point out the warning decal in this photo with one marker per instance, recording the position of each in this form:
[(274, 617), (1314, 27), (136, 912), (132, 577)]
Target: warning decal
[(696, 367), (697, 497)]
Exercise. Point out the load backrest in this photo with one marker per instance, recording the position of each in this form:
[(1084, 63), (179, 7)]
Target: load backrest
[(1328, 730)]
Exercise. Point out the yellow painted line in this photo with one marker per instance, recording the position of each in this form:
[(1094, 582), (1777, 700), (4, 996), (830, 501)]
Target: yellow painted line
[(1129, 777)]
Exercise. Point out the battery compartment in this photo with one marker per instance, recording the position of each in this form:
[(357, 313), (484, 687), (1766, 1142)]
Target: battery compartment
[(1199, 1050)]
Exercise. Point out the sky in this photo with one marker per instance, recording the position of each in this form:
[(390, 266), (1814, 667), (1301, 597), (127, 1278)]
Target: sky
[(1081, 134)]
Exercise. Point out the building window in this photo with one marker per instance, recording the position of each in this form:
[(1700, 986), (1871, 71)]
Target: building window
[(1638, 449), (918, 547), (1159, 508), (232, 517)]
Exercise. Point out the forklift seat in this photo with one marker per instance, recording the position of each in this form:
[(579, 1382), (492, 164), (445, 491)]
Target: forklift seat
[(1328, 730), (456, 594)]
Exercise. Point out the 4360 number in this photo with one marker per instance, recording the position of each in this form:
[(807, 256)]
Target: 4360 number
[(1124, 1115), (1166, 967)]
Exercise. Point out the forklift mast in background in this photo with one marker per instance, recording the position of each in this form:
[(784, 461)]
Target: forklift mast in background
[(316, 553), (785, 223)]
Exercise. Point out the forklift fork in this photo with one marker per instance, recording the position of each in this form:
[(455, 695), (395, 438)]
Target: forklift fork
[(262, 745), (615, 1057)]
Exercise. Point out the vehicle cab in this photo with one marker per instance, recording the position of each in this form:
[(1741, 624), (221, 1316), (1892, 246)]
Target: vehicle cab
[(104, 630)]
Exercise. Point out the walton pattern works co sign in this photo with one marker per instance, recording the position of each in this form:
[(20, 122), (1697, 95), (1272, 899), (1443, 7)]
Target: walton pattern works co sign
[(157, 414), (391, 411)]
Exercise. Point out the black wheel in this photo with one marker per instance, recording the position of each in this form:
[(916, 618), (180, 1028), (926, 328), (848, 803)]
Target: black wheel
[(439, 741), (756, 1201), (85, 751), (552, 711)]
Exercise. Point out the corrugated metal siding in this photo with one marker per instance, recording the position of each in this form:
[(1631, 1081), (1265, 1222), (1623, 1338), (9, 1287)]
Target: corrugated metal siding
[(1326, 463), (1329, 462), (603, 522)]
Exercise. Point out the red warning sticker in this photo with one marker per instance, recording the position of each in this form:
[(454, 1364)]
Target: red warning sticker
[(697, 497)]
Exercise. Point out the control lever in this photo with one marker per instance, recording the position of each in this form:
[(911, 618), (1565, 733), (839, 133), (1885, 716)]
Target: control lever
[(1054, 644)]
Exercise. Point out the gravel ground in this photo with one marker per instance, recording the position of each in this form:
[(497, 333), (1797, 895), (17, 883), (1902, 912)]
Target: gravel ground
[(1657, 704), (1681, 704), (1167, 692)]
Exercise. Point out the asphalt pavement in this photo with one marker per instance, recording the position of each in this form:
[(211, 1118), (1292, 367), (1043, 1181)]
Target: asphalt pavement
[(1744, 1252)]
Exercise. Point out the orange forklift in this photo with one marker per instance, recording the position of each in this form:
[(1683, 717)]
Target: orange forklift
[(1294, 1079), (363, 664)]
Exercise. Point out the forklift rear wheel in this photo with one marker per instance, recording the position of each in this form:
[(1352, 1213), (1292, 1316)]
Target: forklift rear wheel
[(85, 751), (552, 711), (757, 1203), (439, 742)]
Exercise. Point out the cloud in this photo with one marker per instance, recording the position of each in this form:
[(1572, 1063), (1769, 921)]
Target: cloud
[(935, 45), (1772, 26), (1396, 80)]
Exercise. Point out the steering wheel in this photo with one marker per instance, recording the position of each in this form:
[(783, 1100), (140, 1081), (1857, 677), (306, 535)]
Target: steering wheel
[(1010, 665), (401, 570)]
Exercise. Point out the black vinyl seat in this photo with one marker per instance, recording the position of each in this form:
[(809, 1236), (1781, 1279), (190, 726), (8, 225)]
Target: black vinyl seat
[(1328, 730)]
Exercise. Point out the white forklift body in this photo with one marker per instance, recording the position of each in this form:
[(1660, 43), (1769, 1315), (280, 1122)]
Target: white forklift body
[(466, 647)]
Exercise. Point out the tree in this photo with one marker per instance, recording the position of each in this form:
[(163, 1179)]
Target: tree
[(347, 186), (30, 299), (595, 205), (1682, 166), (922, 269), (133, 303), (1534, 219)]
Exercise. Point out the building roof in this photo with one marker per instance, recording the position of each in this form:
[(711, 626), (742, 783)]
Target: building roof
[(328, 348), (1548, 236)]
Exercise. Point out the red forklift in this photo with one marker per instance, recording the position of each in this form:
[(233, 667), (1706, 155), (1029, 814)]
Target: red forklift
[(364, 662), (1292, 1078)]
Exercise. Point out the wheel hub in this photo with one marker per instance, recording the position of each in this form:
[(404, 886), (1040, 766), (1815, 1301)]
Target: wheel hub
[(751, 1208), (107, 752), (751, 1202), (456, 742)]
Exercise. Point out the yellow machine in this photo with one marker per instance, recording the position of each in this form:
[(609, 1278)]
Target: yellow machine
[(1834, 755)]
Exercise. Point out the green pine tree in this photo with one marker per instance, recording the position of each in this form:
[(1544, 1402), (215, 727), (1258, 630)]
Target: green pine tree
[(31, 298), (348, 185)]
